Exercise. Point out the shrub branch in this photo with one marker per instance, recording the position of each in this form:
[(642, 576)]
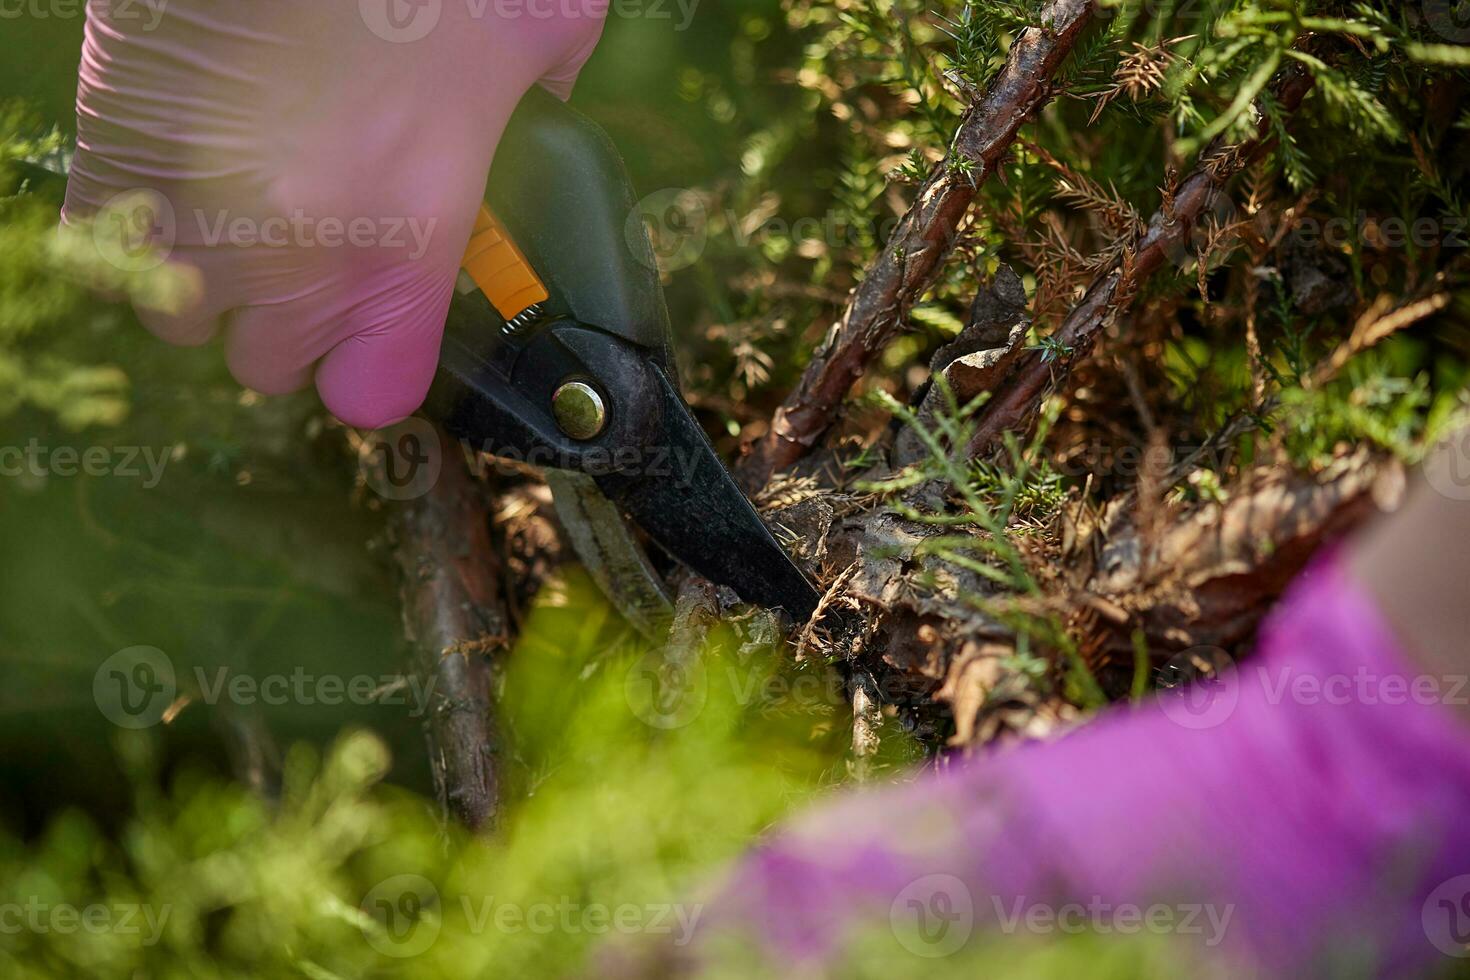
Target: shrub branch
[(913, 257)]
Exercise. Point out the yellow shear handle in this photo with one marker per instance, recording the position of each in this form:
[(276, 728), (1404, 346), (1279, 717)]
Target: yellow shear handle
[(499, 269)]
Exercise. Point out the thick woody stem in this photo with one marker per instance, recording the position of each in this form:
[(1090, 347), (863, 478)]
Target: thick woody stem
[(914, 256), (454, 618)]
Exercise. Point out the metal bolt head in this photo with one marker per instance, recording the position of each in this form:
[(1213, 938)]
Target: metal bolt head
[(579, 410)]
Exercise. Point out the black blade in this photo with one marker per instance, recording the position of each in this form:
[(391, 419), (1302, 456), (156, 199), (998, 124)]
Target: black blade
[(687, 502)]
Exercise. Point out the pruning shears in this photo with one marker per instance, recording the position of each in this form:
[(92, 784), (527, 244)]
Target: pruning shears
[(558, 352)]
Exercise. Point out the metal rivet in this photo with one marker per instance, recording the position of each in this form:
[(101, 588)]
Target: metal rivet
[(579, 410)]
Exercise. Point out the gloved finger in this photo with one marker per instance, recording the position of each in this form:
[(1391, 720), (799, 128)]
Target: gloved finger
[(586, 32), (190, 329), (381, 372), (201, 310), (136, 231), (303, 303), (270, 348)]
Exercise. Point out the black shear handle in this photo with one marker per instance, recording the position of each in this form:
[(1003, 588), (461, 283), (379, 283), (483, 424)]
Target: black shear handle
[(560, 188)]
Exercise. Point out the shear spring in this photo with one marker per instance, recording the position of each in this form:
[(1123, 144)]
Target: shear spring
[(523, 320)]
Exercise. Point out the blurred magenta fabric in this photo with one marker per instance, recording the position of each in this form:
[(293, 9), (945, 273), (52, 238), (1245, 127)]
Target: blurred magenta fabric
[(1306, 802), (321, 164)]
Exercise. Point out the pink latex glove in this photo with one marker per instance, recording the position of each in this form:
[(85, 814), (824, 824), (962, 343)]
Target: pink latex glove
[(1308, 813), (322, 161)]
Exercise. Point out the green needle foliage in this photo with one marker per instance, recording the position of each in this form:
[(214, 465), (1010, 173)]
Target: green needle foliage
[(997, 506)]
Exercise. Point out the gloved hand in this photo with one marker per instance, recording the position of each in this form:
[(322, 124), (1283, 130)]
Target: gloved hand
[(315, 166), (1311, 807), (1303, 816)]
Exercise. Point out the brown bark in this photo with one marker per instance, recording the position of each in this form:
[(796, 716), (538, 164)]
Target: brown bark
[(914, 256), (1014, 405), (454, 617), (1213, 570), (1174, 577)]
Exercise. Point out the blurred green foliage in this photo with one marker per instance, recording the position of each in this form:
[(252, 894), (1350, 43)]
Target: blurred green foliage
[(346, 877), (800, 128), (34, 297), (627, 802), (252, 553)]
